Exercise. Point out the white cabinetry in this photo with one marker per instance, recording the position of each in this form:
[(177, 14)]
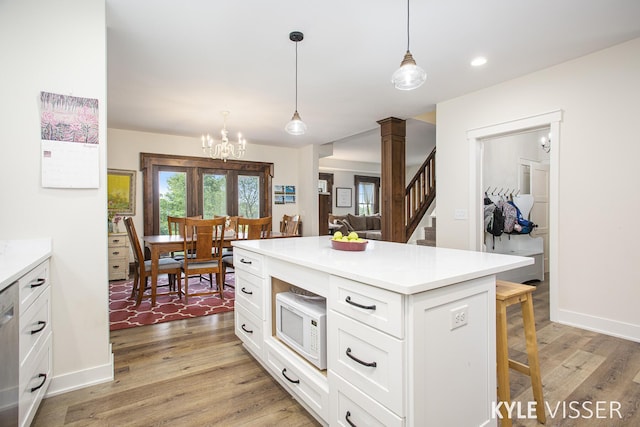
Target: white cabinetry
[(118, 256), (34, 340), (394, 355)]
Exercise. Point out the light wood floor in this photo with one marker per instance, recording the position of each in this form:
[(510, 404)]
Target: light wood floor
[(196, 373)]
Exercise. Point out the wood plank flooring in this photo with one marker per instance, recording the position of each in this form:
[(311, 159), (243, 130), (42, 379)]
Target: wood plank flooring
[(195, 373)]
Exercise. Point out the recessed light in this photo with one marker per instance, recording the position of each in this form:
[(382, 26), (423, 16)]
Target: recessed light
[(479, 61)]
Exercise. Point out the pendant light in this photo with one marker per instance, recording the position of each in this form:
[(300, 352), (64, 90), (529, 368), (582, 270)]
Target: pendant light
[(296, 126), (409, 76)]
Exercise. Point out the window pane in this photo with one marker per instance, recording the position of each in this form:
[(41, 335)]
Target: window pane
[(365, 196), (214, 193), (249, 196), (172, 195)]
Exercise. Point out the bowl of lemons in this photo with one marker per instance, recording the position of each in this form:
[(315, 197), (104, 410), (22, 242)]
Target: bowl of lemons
[(351, 242)]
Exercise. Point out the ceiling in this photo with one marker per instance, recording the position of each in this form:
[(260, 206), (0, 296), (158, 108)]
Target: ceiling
[(173, 67)]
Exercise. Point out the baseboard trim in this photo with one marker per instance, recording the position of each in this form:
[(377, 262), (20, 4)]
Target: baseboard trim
[(601, 325), (80, 379)]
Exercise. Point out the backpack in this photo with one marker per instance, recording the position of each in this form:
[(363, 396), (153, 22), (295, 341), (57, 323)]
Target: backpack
[(525, 225), (496, 223), (510, 214)]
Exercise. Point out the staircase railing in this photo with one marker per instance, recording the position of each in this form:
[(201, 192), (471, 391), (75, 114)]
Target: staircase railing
[(420, 193)]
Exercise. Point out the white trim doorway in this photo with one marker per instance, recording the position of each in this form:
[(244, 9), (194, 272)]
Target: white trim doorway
[(475, 138)]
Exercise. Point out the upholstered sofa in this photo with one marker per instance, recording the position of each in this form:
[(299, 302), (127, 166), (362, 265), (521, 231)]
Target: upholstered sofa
[(367, 226)]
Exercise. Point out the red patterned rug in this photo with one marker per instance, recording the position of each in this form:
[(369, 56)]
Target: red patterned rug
[(123, 312)]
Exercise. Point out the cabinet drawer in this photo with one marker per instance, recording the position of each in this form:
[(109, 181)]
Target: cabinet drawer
[(349, 403), (118, 240), (300, 378), (373, 306), (369, 359), (249, 293), (118, 252), (248, 261), (118, 269), (32, 284), (35, 324), (249, 330), (35, 377)]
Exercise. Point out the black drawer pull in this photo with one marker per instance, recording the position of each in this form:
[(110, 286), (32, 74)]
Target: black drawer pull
[(289, 379), (44, 380), (370, 364), (116, 253), (366, 307), (116, 240), (37, 283), (246, 291), (244, 261), (245, 329), (42, 325), (346, 417)]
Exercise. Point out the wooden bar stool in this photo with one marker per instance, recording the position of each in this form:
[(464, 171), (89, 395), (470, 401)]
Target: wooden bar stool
[(508, 293)]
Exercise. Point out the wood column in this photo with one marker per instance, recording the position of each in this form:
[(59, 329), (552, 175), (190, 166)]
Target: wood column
[(392, 179)]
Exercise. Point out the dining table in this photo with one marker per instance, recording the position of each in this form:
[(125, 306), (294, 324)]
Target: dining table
[(159, 244)]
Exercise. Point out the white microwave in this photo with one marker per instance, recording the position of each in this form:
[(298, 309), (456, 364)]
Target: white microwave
[(301, 322)]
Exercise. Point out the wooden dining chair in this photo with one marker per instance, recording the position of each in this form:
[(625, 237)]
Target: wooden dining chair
[(205, 253), (248, 229), (290, 224), (142, 270)]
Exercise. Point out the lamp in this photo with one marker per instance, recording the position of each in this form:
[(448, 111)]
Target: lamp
[(296, 126), (545, 143), (224, 149), (409, 76)]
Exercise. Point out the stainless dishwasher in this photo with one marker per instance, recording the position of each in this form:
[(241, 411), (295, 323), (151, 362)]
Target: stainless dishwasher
[(9, 356)]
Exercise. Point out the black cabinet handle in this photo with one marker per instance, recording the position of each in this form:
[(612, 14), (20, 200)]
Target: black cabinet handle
[(370, 364), (246, 291), (289, 379), (37, 283), (346, 417), (42, 325), (366, 307), (44, 380), (245, 329), (116, 241), (116, 253), (244, 261)]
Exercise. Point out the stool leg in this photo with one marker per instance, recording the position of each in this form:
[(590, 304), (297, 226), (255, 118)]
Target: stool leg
[(532, 356), (502, 359)]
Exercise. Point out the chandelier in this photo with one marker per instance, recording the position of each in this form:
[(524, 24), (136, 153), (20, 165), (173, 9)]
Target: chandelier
[(224, 149)]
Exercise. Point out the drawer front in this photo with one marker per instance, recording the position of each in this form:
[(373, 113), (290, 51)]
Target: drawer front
[(369, 359), (118, 240), (249, 293), (301, 379), (118, 252), (35, 377), (35, 325), (378, 308), (249, 329), (350, 405), (32, 284), (248, 261), (118, 269)]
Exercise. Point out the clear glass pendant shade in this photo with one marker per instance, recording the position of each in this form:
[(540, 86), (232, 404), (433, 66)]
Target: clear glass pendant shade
[(409, 76), (296, 126)]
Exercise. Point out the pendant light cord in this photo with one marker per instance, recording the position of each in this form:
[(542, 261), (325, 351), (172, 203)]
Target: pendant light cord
[(407, 26), (296, 76)]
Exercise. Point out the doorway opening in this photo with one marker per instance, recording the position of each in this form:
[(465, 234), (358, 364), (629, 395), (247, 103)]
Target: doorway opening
[(477, 139)]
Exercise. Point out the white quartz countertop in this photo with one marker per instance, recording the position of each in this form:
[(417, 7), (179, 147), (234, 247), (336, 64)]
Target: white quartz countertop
[(17, 257), (402, 268)]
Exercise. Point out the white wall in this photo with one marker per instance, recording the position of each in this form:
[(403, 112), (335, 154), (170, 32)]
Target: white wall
[(124, 153), (58, 46), (598, 281)]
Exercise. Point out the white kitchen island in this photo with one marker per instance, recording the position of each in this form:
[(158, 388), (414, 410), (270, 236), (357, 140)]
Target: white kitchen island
[(424, 316)]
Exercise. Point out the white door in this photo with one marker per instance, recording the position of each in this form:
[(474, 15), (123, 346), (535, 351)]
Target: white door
[(539, 181)]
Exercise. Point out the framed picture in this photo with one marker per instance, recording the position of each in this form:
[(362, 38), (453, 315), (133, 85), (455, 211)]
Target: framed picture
[(121, 191), (343, 197)]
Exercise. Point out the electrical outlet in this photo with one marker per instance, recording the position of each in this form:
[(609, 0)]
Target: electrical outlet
[(459, 316)]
